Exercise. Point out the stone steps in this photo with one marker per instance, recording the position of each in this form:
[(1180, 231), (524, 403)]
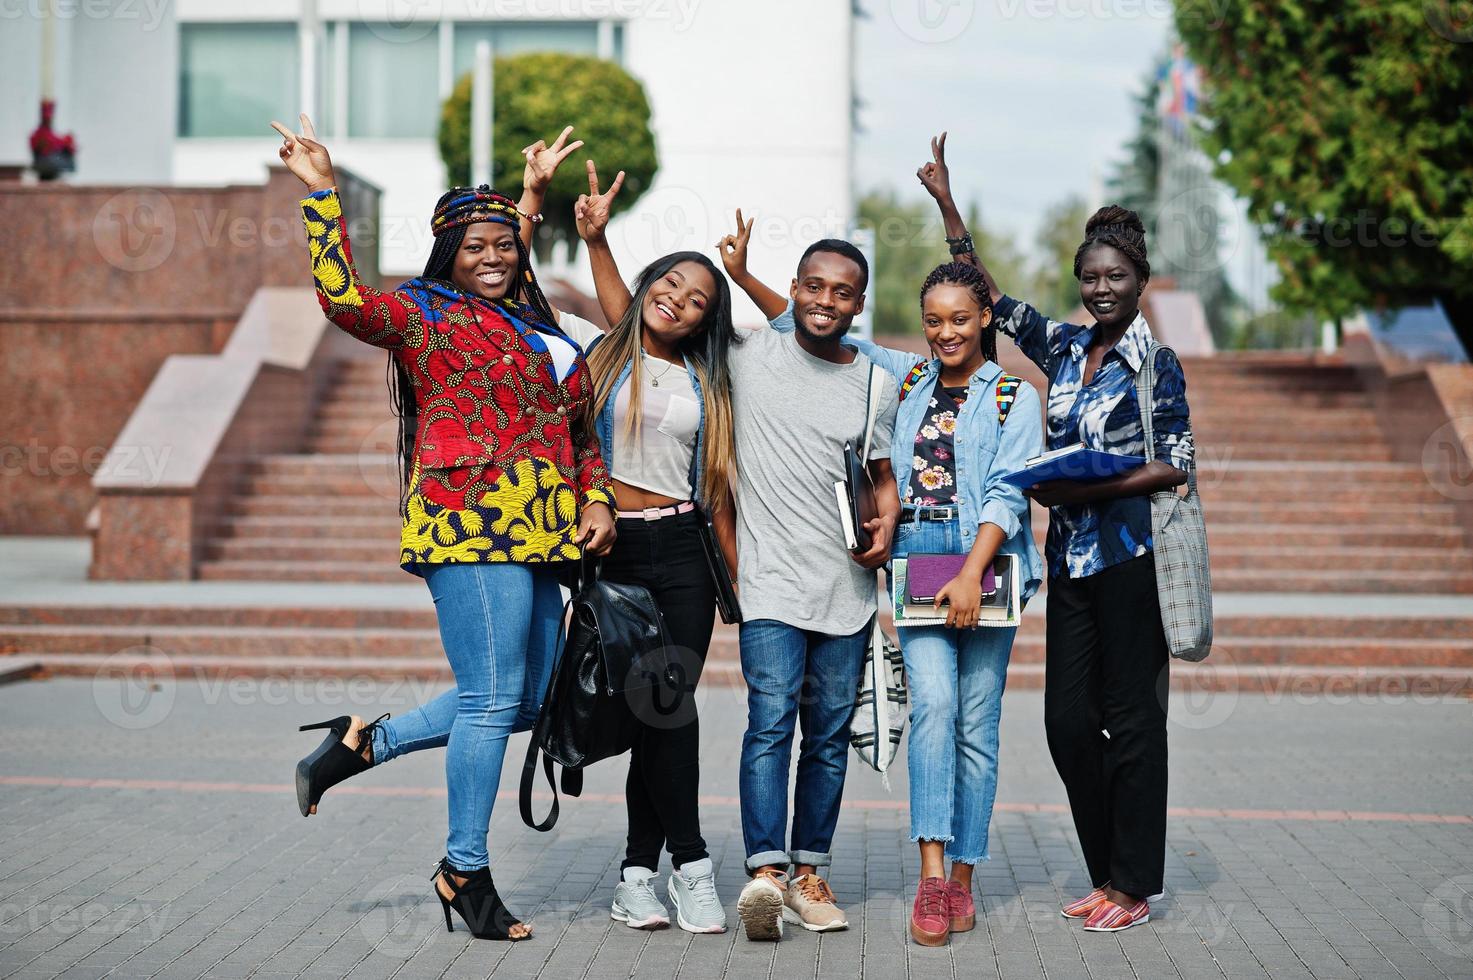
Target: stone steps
[(288, 528), (1278, 681)]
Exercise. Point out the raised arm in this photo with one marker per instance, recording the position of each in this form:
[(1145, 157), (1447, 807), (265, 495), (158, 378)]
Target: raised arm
[(389, 320), (542, 163), (1032, 331), (733, 249), (936, 178), (591, 215)]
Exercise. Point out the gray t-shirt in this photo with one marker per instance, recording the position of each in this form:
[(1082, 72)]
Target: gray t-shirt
[(793, 414)]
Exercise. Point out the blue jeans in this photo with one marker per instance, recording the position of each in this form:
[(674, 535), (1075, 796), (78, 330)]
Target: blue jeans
[(794, 675), (499, 624), (956, 680)]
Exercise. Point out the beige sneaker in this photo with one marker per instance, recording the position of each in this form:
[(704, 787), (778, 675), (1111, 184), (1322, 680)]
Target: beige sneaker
[(810, 903), (760, 906)]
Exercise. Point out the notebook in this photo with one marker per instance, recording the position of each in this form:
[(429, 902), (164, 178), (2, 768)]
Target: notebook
[(999, 609), (1073, 463), (928, 574)]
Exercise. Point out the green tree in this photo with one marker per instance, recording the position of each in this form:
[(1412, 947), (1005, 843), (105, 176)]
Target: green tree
[(1347, 126), (536, 95), (909, 243), (1059, 234)]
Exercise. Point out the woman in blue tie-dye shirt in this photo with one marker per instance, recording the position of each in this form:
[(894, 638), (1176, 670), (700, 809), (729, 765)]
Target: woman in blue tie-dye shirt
[(1104, 697)]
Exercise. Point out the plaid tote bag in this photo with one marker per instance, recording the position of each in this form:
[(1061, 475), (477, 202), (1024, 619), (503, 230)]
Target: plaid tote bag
[(1179, 540)]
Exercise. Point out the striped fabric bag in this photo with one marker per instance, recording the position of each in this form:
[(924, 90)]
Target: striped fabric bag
[(880, 710), (1179, 540)]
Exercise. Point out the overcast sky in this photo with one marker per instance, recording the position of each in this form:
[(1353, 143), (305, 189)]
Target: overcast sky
[(1038, 96)]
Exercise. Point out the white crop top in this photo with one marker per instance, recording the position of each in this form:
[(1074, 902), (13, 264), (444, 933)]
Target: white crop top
[(658, 456)]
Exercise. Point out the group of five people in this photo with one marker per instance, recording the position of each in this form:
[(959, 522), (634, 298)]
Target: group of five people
[(530, 437)]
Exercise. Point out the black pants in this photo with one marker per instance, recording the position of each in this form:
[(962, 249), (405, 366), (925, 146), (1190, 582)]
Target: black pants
[(1104, 708), (666, 557)]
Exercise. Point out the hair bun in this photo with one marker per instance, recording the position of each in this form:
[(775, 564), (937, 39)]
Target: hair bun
[(1114, 214)]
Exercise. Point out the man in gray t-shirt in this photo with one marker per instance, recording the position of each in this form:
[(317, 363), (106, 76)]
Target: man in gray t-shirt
[(797, 397)]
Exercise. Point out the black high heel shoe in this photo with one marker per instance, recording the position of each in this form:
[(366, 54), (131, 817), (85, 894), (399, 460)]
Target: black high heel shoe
[(477, 902), (332, 761)]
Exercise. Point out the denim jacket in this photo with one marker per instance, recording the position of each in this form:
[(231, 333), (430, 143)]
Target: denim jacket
[(605, 428), (997, 450)]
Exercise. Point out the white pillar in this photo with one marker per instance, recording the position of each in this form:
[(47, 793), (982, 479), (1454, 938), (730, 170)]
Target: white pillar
[(447, 58), (308, 43), (483, 115), (48, 53)]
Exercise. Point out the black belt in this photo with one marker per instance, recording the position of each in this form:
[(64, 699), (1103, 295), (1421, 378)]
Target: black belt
[(937, 514)]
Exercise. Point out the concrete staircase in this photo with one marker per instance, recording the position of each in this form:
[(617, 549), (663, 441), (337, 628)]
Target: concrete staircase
[(1301, 494)]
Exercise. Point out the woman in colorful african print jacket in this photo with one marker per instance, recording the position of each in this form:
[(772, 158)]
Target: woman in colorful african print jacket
[(1104, 690), (503, 481)]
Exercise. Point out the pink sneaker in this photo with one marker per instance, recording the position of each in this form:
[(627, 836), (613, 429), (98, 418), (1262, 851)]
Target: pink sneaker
[(1081, 908), (959, 907), (929, 922), (1110, 917)]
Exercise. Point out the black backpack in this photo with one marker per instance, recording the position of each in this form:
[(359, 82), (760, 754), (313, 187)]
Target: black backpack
[(615, 647)]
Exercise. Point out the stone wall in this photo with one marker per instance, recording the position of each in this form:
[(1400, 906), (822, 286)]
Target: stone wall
[(98, 287)]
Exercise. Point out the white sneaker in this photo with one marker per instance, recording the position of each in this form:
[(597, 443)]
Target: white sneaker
[(635, 902), (760, 906), (693, 890)]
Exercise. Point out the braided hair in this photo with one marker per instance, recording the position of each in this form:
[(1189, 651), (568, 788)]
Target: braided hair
[(1121, 229), (456, 209), (969, 277)]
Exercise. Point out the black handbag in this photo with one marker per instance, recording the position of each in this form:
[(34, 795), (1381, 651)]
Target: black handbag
[(615, 643), (727, 605)]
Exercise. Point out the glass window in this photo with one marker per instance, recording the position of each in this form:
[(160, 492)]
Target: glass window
[(570, 37), (393, 84), (235, 78)]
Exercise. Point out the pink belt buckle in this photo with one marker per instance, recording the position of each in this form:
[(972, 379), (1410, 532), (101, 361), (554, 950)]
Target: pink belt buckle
[(653, 513)]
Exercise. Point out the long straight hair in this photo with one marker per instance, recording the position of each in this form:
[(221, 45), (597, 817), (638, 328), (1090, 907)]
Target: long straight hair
[(525, 290), (705, 350)]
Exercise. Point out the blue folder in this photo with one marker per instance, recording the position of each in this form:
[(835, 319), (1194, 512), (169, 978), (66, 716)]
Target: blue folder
[(1082, 465)]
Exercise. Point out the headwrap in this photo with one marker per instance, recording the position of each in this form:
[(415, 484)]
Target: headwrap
[(472, 204)]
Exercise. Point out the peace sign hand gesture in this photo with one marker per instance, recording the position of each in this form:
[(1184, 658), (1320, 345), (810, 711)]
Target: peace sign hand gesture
[(591, 213), (543, 161), (733, 248), (934, 175), (306, 157)]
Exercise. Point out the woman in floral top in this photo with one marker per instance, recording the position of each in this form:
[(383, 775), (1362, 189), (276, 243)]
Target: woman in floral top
[(1107, 652), (503, 480)]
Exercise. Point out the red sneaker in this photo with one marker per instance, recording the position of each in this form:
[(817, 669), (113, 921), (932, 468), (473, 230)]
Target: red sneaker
[(959, 907), (1110, 917), (929, 921), (1081, 908)]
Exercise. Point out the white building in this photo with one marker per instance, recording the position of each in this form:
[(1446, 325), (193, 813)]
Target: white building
[(752, 101)]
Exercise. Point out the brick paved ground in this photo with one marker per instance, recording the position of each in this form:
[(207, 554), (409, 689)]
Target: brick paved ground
[(157, 835)]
